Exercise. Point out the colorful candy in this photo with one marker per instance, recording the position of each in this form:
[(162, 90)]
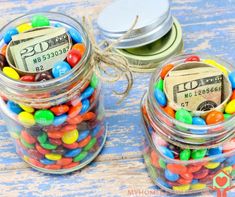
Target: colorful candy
[(60, 133)]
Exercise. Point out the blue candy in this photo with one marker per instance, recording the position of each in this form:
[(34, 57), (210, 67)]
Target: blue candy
[(8, 36), (216, 151), (87, 93), (171, 176), (58, 25), (75, 35), (73, 152), (163, 183), (15, 108), (160, 97), (85, 106), (47, 161), (167, 152), (60, 68), (198, 121), (95, 131), (83, 135), (58, 120), (194, 181), (231, 77)]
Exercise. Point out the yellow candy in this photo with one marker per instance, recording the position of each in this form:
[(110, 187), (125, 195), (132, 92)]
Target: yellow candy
[(181, 188), (53, 156), (27, 108), (10, 72), (26, 118), (24, 27), (230, 107), (228, 169), (198, 186), (217, 65), (70, 137), (25, 158), (212, 165), (14, 135)]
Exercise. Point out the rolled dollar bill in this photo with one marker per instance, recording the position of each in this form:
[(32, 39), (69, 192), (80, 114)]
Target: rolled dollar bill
[(197, 87), (38, 50)]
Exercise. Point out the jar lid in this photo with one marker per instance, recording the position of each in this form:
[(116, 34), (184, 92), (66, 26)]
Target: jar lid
[(154, 21), (156, 52)]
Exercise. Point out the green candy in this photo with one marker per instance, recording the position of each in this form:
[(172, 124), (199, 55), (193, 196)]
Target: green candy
[(159, 85), (26, 144), (198, 154), (42, 138), (90, 144), (80, 157), (162, 163), (185, 155), (94, 81), (184, 116), (227, 116), (44, 117), (48, 146), (152, 172), (40, 21)]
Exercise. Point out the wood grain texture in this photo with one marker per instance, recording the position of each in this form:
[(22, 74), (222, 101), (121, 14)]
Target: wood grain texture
[(208, 26)]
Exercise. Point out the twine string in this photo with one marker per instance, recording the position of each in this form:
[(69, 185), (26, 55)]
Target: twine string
[(108, 65)]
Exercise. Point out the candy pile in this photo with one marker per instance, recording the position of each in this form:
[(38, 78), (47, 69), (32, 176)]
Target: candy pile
[(62, 137), (185, 116), (174, 167)]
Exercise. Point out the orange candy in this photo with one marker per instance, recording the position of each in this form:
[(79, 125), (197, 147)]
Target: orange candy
[(3, 51), (55, 134), (165, 70), (71, 146), (194, 168), (75, 110), (214, 117), (60, 109), (184, 181), (35, 162), (76, 120), (52, 167), (88, 116), (69, 127), (72, 165), (41, 149), (80, 47), (64, 161), (169, 111), (84, 142), (176, 168)]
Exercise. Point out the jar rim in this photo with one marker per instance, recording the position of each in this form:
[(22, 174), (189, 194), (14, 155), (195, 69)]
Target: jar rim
[(13, 83), (156, 76)]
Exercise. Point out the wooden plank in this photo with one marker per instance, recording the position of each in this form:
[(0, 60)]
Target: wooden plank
[(112, 178)]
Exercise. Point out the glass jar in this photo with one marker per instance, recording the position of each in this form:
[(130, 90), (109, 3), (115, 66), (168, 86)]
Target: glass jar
[(185, 158), (57, 125)]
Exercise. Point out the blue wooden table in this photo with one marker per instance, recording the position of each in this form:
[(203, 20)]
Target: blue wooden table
[(208, 26)]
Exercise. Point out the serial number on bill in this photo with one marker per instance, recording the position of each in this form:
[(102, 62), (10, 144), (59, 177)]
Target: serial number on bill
[(50, 55), (202, 92)]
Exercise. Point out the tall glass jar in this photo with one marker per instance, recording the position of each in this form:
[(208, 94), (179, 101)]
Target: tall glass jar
[(57, 125), (186, 158)]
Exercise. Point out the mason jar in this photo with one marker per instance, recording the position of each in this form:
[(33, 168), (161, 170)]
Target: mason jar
[(56, 120), (184, 158)]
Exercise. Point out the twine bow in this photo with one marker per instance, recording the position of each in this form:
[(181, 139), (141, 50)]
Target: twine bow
[(107, 64)]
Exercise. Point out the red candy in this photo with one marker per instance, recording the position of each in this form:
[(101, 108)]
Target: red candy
[(35, 162), (75, 110), (193, 58), (53, 167), (71, 146), (41, 149), (57, 142), (201, 173), (84, 142), (27, 137), (28, 78), (72, 165), (73, 57)]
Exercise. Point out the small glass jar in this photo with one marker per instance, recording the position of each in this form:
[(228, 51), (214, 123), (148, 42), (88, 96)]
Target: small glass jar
[(69, 131), (185, 161)]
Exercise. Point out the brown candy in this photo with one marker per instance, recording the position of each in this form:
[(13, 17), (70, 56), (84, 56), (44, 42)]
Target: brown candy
[(43, 76), (3, 61)]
